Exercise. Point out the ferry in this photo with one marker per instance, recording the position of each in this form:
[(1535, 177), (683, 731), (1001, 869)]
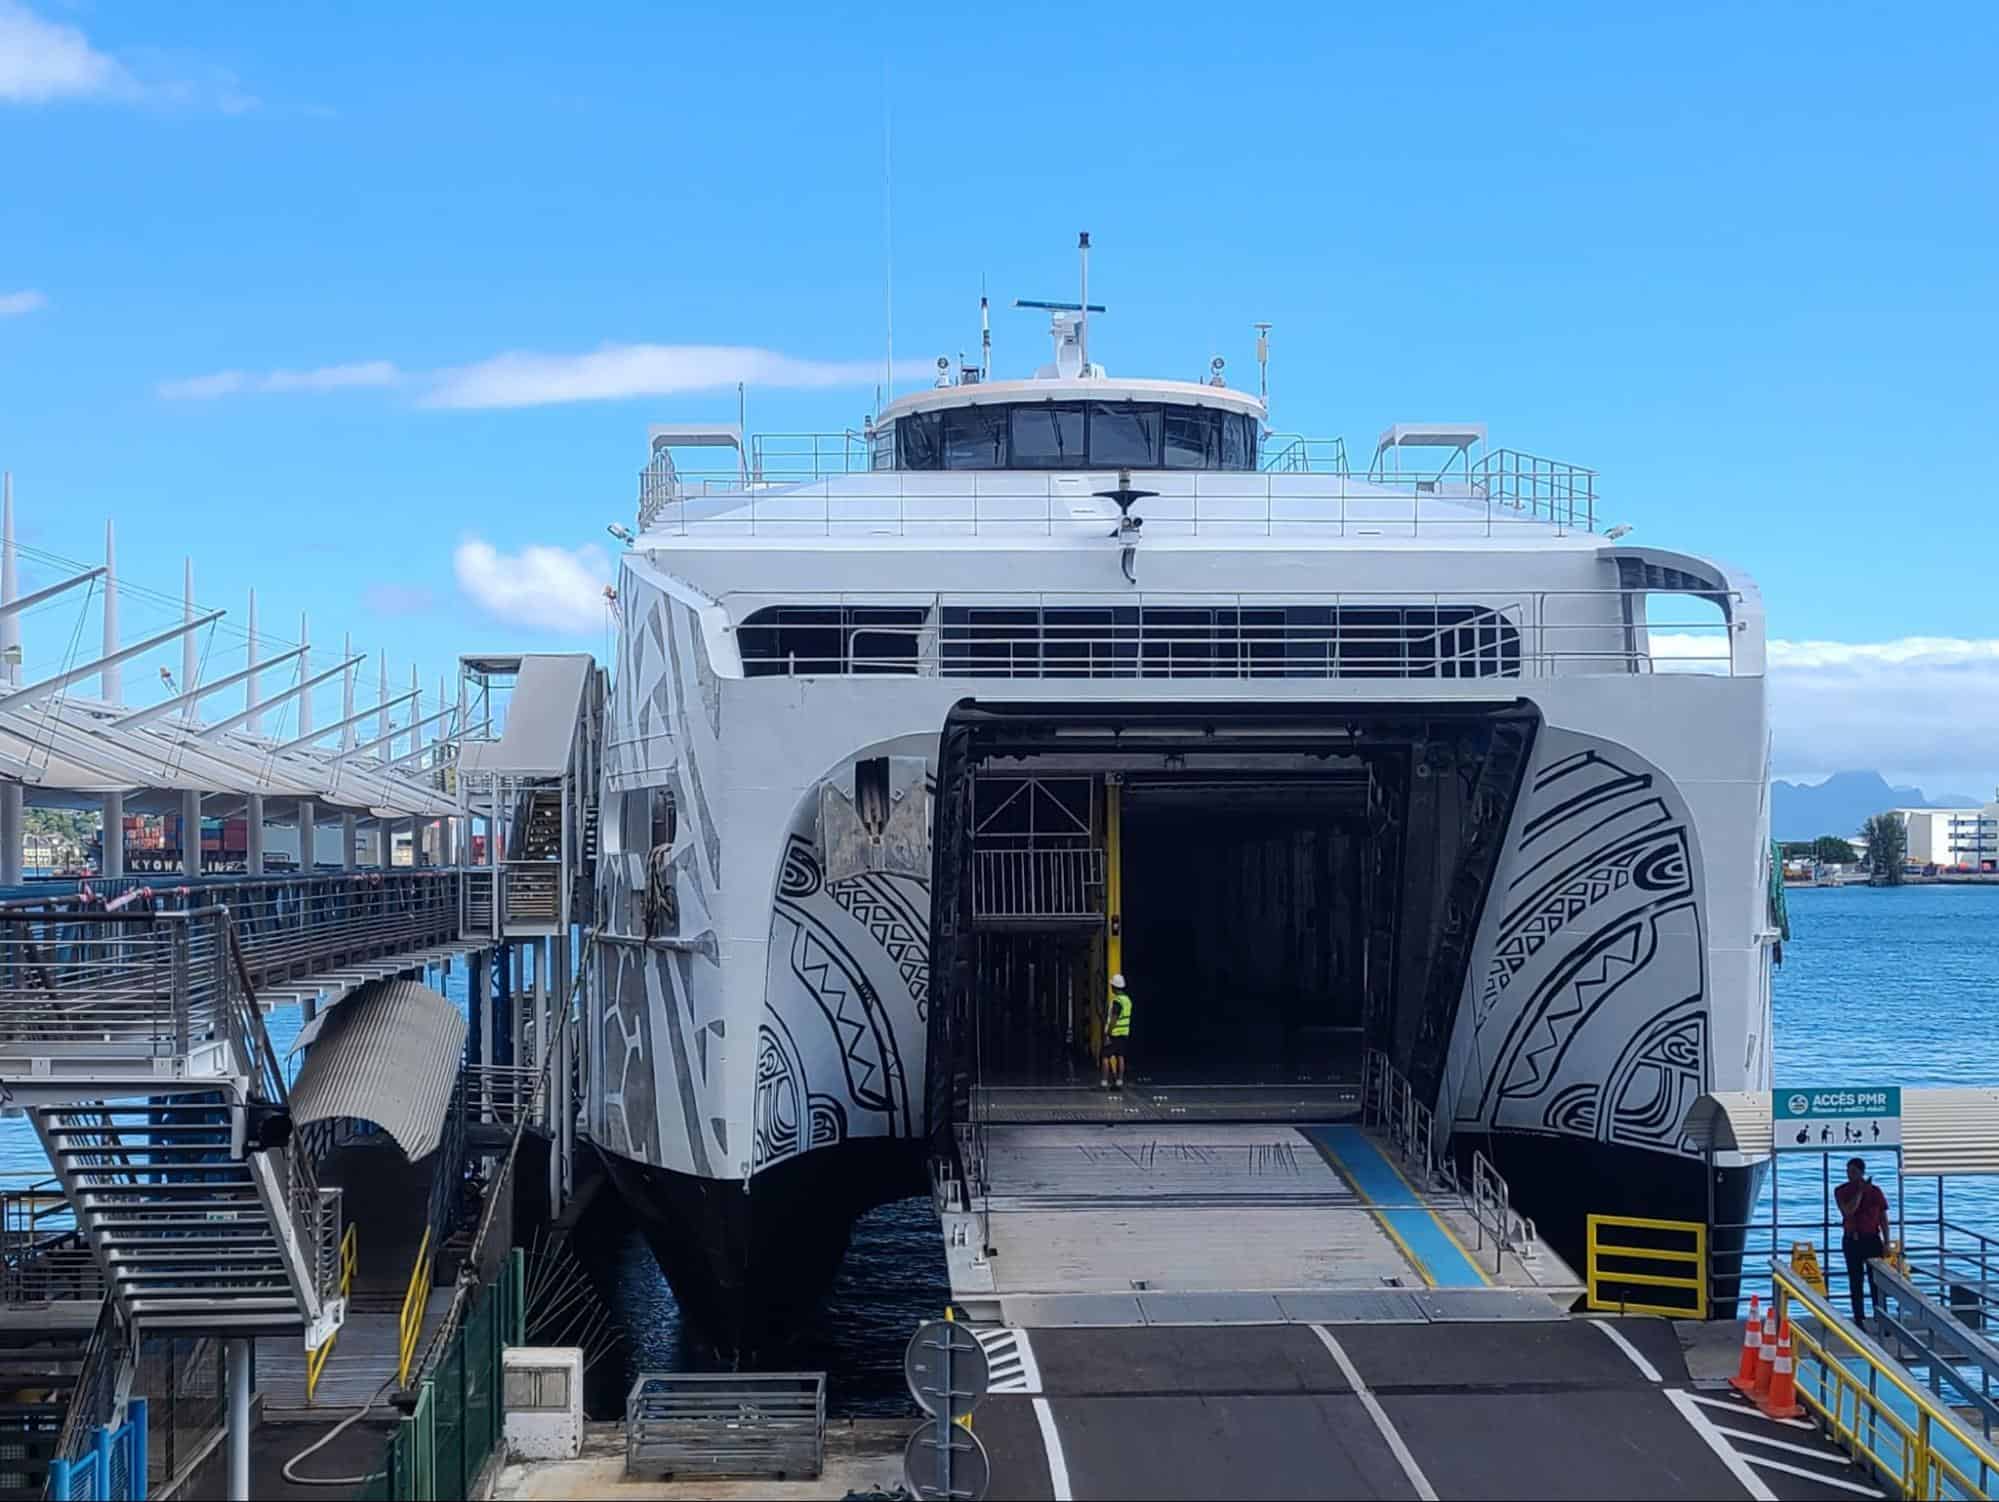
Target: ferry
[(921, 732)]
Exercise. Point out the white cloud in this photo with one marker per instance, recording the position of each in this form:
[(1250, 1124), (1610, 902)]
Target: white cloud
[(1918, 708), (43, 60), (616, 371), (529, 380), (366, 373), (13, 304), (554, 588)]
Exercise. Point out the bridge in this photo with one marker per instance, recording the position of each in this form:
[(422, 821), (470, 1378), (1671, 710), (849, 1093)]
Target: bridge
[(266, 879)]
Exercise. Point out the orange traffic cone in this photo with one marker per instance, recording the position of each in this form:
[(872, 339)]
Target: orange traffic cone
[(1766, 1358), (1744, 1380), (1781, 1402)]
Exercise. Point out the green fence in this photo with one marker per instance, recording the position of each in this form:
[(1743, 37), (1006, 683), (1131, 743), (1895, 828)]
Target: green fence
[(439, 1446)]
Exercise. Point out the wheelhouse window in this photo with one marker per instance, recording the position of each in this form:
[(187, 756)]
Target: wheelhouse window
[(1071, 435), (1047, 436)]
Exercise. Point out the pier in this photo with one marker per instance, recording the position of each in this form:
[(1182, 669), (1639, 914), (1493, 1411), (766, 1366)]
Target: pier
[(301, 1220)]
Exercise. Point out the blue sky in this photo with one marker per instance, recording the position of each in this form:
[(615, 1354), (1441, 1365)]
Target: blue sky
[(1742, 260)]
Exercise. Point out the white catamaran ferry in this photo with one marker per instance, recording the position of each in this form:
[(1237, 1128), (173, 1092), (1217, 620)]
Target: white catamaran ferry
[(921, 733)]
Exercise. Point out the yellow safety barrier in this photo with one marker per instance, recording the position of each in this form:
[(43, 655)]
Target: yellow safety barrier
[(1610, 1250), (1805, 1259), (410, 1324), (350, 1259), (1898, 1431)]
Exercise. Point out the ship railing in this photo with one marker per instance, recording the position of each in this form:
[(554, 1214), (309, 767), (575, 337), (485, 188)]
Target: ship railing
[(1504, 494), (1294, 453), (1022, 885), (1402, 634)]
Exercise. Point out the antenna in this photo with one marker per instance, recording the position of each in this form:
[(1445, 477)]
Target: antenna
[(1083, 327), (888, 233), (1263, 364), (985, 334)]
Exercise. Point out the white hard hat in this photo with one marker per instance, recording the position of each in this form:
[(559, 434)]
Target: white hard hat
[(1117, 982)]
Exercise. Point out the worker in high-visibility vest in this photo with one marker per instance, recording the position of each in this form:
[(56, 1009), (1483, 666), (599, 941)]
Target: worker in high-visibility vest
[(1117, 1034)]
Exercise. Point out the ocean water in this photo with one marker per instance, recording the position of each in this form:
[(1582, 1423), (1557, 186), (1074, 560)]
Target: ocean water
[(1886, 986), (1879, 986)]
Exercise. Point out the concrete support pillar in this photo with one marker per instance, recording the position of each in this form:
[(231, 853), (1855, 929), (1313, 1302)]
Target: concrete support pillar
[(238, 1358), (190, 673), (12, 826), (308, 833), (111, 688), (350, 826), (253, 834), (113, 863), (190, 833)]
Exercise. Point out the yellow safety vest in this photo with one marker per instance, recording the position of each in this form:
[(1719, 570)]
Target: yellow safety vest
[(1120, 1014)]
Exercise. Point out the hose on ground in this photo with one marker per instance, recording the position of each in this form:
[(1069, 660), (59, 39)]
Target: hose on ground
[(328, 1438)]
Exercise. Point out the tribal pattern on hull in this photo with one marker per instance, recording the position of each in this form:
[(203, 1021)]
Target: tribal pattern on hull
[(846, 988), (1590, 1017)]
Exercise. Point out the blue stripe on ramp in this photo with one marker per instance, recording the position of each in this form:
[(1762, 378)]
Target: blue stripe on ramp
[(1423, 1238)]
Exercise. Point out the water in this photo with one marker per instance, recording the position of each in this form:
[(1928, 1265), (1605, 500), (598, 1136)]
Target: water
[(1887, 986)]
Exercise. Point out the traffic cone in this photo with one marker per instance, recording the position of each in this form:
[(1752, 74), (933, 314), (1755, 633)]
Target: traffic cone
[(1744, 1380), (1766, 1361), (1781, 1402)]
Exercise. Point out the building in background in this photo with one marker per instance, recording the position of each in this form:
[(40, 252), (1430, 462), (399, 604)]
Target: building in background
[(1952, 836)]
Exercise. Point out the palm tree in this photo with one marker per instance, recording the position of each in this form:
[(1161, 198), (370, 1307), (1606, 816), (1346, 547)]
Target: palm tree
[(1887, 839)]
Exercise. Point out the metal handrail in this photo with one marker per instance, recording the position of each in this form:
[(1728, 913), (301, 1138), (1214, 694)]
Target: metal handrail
[(350, 1261), (1462, 634), (1493, 502), (1831, 1356), (409, 1322)]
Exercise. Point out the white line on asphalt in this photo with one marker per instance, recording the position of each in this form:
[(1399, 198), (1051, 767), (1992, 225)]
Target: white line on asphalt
[(1781, 1444), (1744, 1411), (1650, 1372), (1798, 1470), (1375, 1411), (1058, 1466), (1737, 1466)]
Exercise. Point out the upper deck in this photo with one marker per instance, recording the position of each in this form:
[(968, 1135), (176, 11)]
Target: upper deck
[(793, 487)]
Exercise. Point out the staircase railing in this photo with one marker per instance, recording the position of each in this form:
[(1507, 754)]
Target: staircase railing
[(43, 1254), (93, 1401), (314, 1213)]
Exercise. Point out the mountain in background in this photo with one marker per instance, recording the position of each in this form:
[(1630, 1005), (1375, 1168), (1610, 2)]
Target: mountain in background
[(1840, 804)]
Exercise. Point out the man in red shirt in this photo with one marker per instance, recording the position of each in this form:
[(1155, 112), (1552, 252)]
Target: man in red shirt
[(1863, 1220)]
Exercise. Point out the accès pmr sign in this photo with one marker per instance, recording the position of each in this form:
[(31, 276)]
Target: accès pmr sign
[(1827, 1121)]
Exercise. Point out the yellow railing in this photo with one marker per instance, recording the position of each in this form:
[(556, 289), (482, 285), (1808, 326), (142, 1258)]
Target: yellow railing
[(1612, 1250), (350, 1259), (410, 1324), (1905, 1431)]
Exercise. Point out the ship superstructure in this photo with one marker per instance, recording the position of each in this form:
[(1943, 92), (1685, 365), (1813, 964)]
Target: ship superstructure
[(920, 732)]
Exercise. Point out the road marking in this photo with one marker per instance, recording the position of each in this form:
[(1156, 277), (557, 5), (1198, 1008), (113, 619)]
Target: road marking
[(1010, 1359), (1743, 1411), (1822, 1480), (1051, 1442), (1701, 1425), (1380, 1416), (1830, 1458), (1650, 1372)]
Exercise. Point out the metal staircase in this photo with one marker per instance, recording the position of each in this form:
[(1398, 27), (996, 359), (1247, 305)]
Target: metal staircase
[(187, 1235), (135, 1044)]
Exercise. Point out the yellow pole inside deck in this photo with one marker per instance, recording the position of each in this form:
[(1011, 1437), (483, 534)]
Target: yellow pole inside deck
[(1113, 899)]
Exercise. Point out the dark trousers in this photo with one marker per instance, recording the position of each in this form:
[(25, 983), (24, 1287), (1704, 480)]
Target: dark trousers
[(1859, 1251)]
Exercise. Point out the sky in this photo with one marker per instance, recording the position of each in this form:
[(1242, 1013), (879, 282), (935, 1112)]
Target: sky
[(368, 306)]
